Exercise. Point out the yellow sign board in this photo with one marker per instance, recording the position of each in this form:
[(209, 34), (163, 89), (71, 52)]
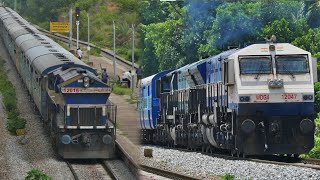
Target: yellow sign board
[(62, 27)]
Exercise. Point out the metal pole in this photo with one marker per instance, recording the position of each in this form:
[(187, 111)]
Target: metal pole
[(114, 53), (88, 37), (132, 84), (77, 23), (70, 30), (15, 5)]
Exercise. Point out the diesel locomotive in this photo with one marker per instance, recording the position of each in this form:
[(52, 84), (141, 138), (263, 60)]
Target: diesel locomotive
[(71, 99), (257, 100)]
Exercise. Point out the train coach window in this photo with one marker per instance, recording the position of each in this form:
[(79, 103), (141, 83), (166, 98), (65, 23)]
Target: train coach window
[(255, 65), (291, 64)]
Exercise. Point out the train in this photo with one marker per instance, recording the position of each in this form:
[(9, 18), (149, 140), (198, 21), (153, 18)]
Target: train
[(71, 99), (255, 100)]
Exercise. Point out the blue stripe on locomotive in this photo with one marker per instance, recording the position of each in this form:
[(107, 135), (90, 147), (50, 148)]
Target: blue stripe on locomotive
[(202, 69), (153, 107)]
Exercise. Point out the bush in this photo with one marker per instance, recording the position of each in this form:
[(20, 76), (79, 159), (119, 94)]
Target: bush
[(36, 174), (15, 122), (227, 176), (8, 92), (117, 89)]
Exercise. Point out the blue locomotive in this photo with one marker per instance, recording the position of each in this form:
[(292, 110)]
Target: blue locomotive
[(70, 97), (251, 101)]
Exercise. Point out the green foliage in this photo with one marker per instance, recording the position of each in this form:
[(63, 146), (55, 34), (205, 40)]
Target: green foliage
[(7, 90), (315, 152), (309, 40), (165, 42), (317, 96), (235, 24), (153, 11), (228, 176), (117, 89), (36, 174), (95, 52), (15, 122), (286, 31)]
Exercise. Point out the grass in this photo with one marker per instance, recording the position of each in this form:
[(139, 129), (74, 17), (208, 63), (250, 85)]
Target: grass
[(228, 176), (10, 102), (119, 90), (37, 174)]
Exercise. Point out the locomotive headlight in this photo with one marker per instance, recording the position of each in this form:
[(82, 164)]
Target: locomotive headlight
[(244, 98), (306, 126), (86, 82), (275, 83), (107, 139), (307, 97), (248, 126), (279, 82), (66, 139)]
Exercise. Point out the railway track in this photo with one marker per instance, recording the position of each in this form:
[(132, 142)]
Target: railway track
[(90, 170), (167, 174), (104, 52)]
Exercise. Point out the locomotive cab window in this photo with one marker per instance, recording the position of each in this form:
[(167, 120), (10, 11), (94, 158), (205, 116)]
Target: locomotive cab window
[(165, 84), (292, 64), (255, 65)]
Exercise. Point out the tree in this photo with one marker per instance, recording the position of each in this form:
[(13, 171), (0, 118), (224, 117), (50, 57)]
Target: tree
[(271, 10), (309, 41), (313, 13), (153, 11), (284, 30), (234, 25), (164, 40), (198, 17)]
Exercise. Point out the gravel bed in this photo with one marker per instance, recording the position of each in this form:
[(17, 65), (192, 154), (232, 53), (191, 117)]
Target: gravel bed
[(205, 167), (17, 159), (90, 171), (120, 169)]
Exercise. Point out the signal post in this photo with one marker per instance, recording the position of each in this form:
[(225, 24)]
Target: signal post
[(77, 23)]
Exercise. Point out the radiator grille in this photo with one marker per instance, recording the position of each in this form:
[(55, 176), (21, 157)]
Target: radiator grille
[(86, 116)]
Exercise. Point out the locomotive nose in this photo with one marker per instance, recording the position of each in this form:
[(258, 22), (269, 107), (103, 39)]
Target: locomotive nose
[(306, 126)]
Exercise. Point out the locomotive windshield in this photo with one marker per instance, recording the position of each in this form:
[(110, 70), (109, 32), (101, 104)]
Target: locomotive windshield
[(255, 65), (291, 64)]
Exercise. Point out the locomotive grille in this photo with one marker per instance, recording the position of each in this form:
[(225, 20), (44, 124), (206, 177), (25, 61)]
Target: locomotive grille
[(86, 116)]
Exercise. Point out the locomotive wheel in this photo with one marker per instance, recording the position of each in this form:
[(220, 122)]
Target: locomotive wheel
[(233, 153)]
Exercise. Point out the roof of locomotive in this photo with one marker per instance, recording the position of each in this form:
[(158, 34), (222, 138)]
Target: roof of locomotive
[(149, 79), (263, 49)]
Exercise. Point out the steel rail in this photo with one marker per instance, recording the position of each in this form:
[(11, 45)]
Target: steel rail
[(72, 171), (165, 173), (109, 170), (128, 160)]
